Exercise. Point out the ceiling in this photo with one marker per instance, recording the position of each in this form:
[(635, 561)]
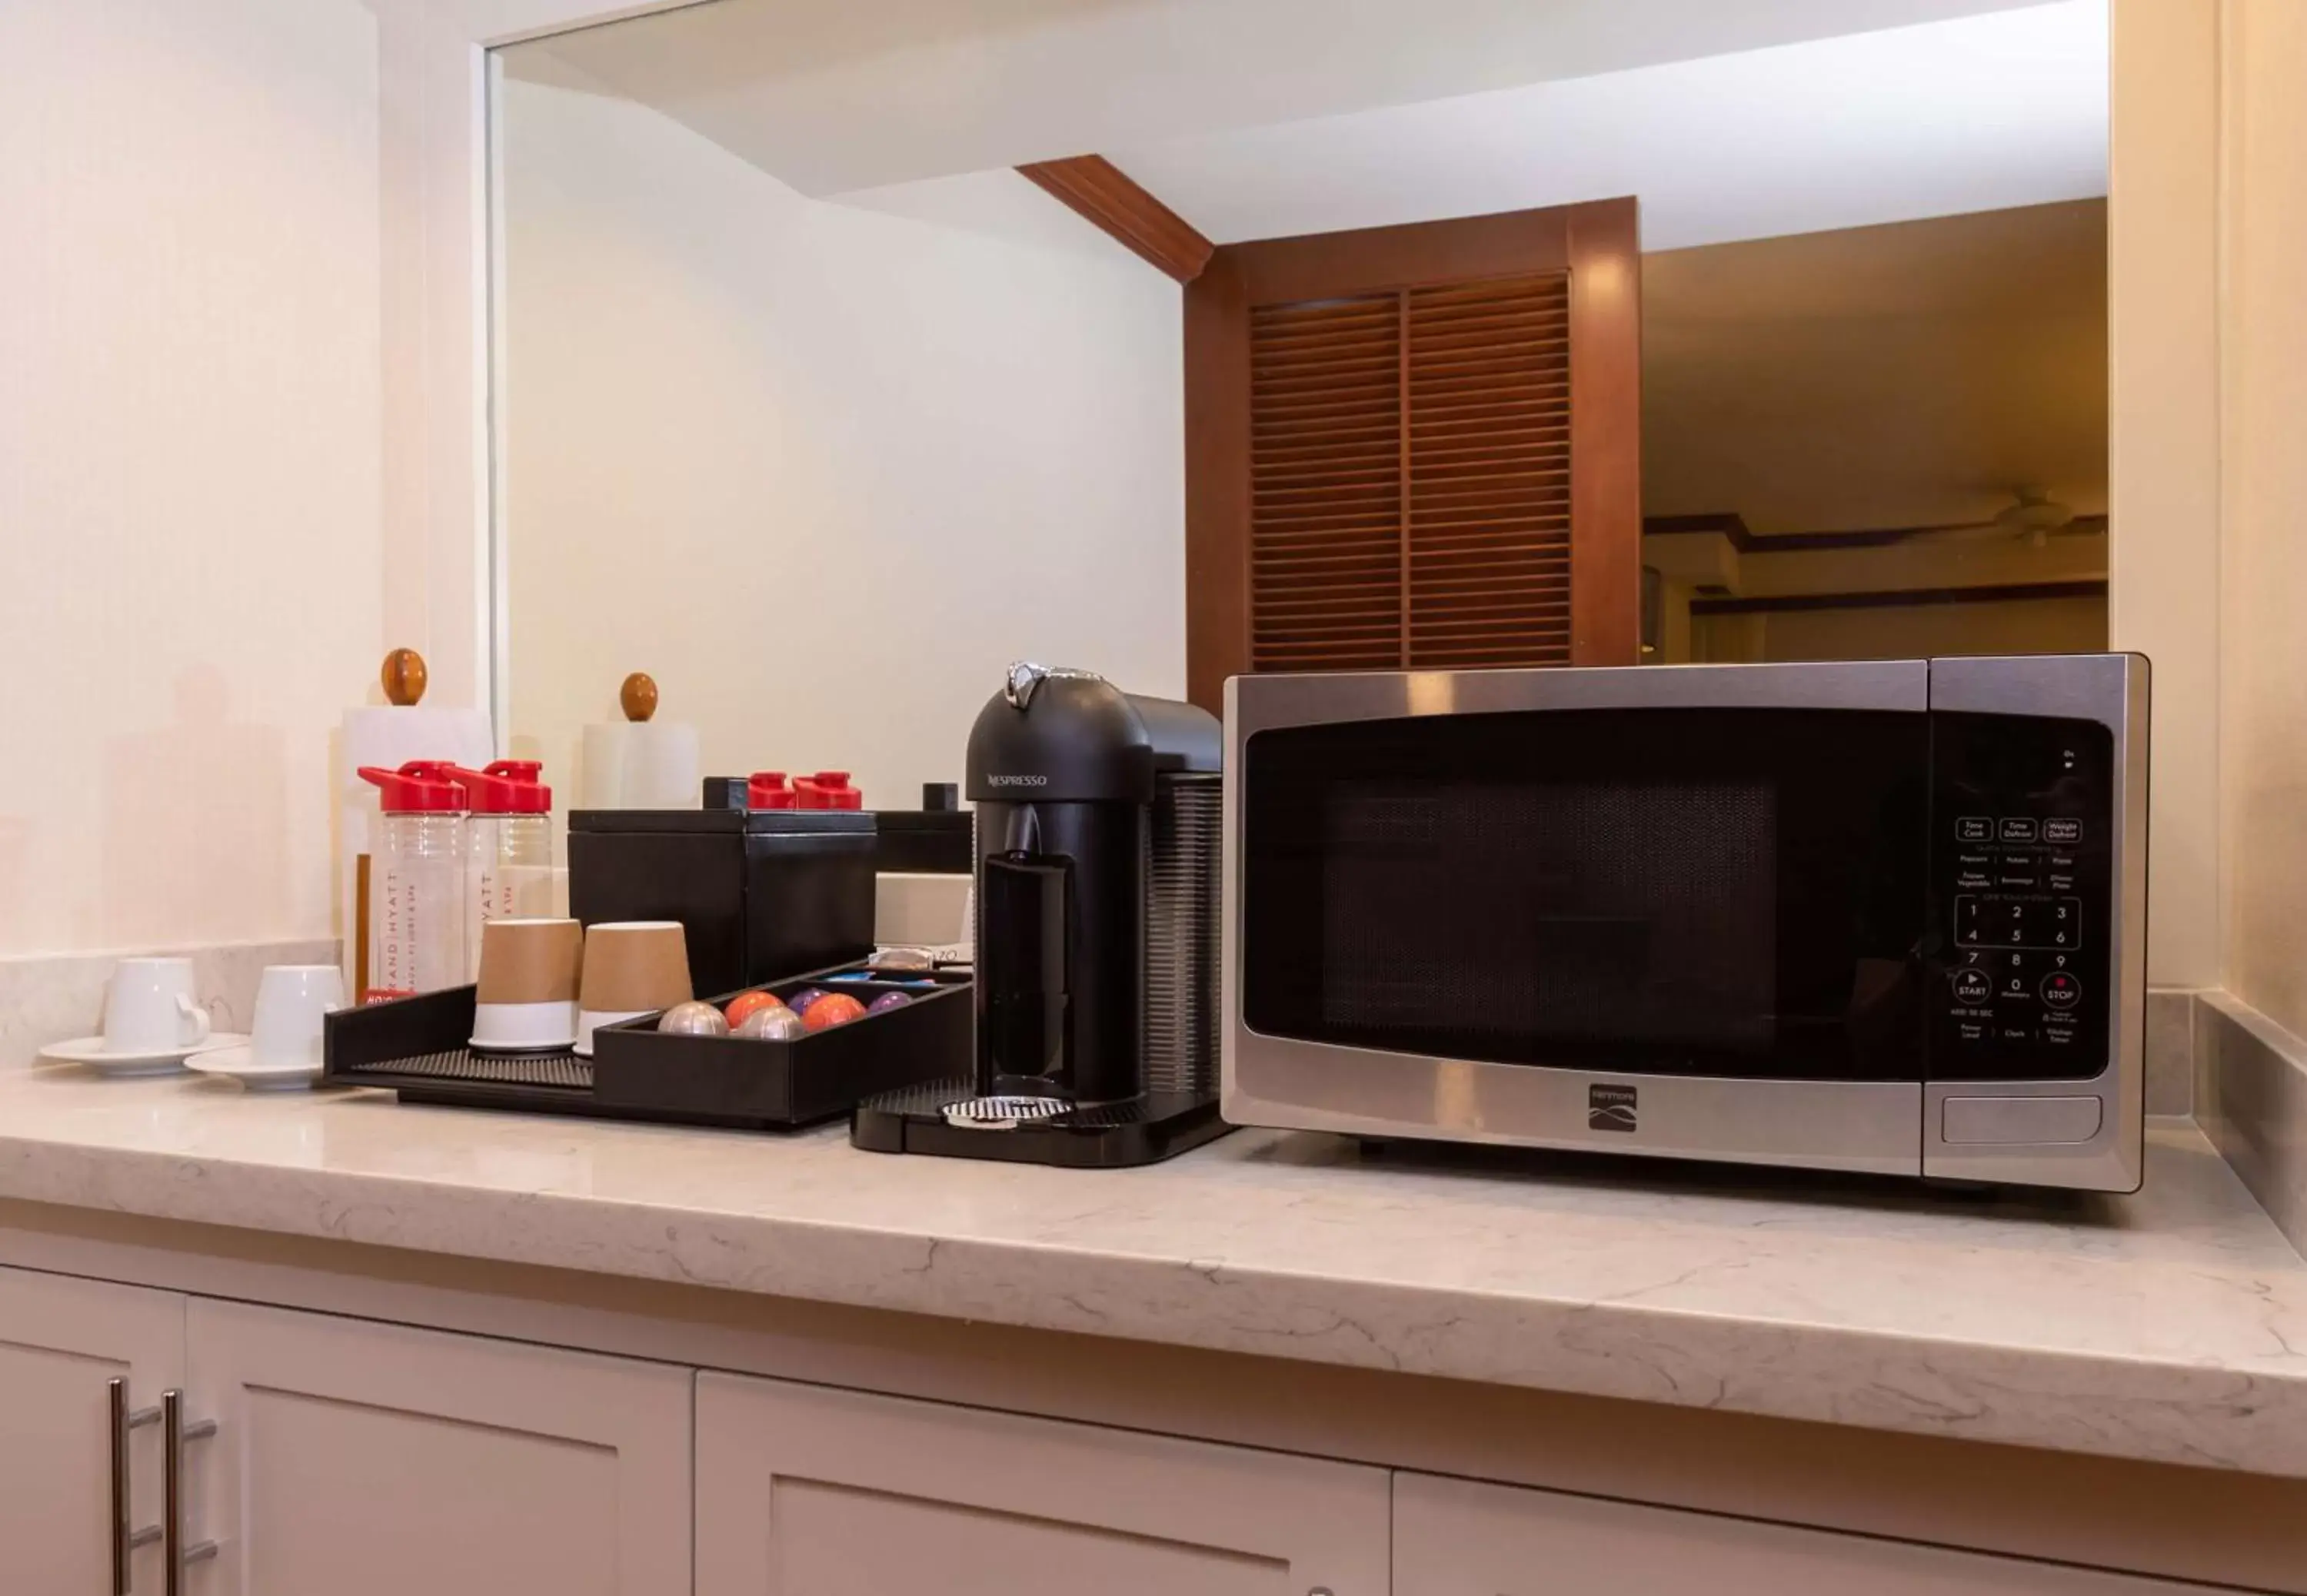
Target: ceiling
[(1778, 148), (1976, 113), (831, 97), (1911, 374)]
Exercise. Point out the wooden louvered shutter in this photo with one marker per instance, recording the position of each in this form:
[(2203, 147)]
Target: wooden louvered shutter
[(1325, 454), (1415, 447)]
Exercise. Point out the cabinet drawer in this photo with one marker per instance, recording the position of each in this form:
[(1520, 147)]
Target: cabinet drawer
[(803, 1491), (361, 1459), (1461, 1538)]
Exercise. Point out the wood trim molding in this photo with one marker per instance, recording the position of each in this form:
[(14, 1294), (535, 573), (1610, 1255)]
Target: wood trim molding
[(1410, 254), (1606, 475), (1898, 598), (1729, 524), (1734, 529), (1109, 197), (1217, 481)]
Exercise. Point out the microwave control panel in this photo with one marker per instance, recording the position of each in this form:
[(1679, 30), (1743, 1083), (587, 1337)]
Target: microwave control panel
[(2022, 871)]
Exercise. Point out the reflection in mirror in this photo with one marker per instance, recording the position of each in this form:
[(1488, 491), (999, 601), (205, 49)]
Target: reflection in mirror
[(818, 409), (1880, 442), (822, 467)]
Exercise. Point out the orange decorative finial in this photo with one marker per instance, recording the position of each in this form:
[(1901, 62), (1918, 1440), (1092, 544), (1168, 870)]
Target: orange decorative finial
[(638, 697), (403, 677)]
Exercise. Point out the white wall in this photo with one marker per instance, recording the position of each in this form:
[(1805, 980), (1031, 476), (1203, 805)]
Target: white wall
[(190, 560), (2263, 646), (432, 173), (821, 470), (2164, 556)]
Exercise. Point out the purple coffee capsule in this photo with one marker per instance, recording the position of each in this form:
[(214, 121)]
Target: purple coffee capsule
[(886, 1001), (799, 1002)]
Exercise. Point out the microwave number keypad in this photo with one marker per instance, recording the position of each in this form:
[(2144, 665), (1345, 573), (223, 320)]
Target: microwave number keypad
[(2022, 906), (1999, 921), (2018, 923)]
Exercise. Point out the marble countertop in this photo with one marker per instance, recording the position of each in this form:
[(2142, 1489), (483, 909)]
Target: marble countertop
[(2169, 1326)]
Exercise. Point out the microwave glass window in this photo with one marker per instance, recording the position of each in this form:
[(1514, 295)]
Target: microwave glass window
[(1583, 911), (1734, 892)]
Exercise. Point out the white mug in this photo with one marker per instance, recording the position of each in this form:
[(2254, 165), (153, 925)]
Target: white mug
[(290, 1001), (149, 1008)]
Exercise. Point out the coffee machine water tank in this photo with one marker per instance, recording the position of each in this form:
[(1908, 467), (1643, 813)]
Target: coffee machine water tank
[(1064, 769)]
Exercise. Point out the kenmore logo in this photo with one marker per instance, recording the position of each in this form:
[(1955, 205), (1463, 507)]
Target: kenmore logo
[(1017, 781), (1609, 1108)]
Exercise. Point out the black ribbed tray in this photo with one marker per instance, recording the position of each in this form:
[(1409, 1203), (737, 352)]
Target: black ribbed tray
[(1136, 1131), (416, 1047)]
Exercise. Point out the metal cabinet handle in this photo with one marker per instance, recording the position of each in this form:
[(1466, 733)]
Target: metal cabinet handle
[(175, 1432), (175, 1556), (124, 1540)]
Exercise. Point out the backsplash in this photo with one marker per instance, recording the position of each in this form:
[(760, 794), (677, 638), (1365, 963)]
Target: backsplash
[(2170, 1050), (55, 998), (2251, 1099)]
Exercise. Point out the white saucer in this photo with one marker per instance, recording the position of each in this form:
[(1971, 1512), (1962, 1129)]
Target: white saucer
[(164, 1060), (240, 1063)]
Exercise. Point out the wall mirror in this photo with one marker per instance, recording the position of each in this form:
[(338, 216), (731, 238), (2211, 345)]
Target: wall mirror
[(845, 353)]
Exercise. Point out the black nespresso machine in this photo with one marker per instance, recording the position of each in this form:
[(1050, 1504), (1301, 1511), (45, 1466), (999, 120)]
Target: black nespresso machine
[(1098, 822)]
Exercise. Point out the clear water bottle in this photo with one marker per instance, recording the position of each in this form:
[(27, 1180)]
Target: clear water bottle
[(418, 875), (509, 845)]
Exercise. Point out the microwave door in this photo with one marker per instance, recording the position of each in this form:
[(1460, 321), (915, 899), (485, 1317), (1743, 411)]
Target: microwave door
[(1717, 877), (1733, 893)]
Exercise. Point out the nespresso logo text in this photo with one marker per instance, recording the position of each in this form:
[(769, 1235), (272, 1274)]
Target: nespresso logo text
[(1017, 781)]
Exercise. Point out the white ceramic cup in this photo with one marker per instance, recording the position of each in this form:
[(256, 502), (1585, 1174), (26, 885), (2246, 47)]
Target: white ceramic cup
[(290, 1001), (150, 1009)]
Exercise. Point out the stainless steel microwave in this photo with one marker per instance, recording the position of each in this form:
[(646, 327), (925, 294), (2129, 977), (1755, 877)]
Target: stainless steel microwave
[(1884, 916)]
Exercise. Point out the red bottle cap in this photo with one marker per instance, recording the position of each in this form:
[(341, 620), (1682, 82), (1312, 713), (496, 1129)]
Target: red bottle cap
[(828, 789), (767, 790), (507, 787), (414, 792)]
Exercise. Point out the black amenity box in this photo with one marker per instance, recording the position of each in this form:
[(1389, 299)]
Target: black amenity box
[(761, 892)]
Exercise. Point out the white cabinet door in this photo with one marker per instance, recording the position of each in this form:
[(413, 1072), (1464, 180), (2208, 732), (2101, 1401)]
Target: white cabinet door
[(359, 1459), (61, 1341), (1458, 1537), (802, 1491)]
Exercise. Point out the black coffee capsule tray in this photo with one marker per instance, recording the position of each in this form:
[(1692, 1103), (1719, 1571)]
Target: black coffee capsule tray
[(416, 1047)]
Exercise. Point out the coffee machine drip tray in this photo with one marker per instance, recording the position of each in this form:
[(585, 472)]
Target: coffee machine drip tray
[(950, 1119)]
